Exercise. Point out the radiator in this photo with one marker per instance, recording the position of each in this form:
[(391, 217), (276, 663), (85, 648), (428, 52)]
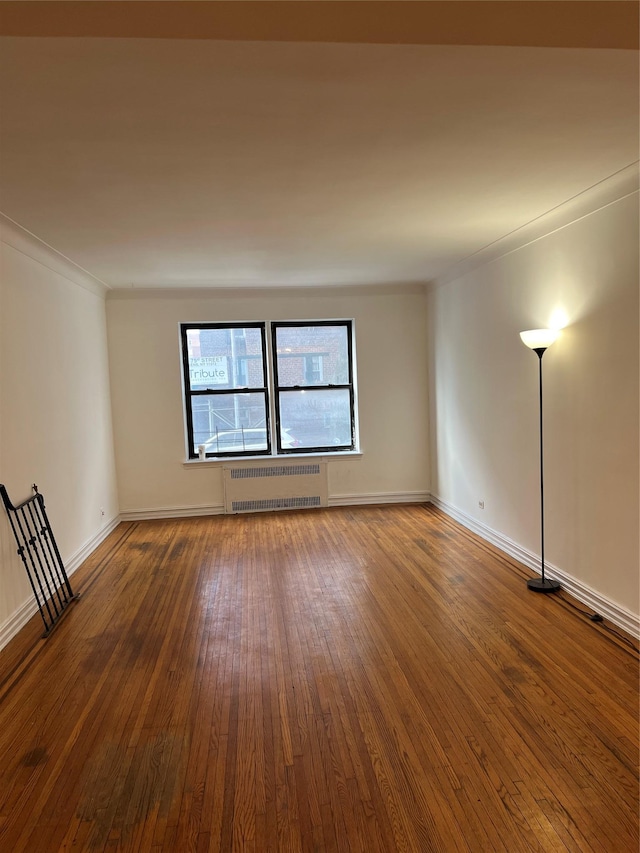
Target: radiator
[(270, 486)]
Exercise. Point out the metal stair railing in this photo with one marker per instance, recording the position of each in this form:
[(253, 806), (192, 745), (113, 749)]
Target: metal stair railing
[(39, 552)]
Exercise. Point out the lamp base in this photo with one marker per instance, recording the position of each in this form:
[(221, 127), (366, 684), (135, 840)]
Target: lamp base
[(540, 585)]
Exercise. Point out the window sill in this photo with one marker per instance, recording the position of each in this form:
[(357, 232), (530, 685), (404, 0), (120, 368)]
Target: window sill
[(282, 457)]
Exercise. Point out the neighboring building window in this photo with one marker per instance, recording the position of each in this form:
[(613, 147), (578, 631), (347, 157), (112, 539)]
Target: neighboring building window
[(313, 385), (227, 390)]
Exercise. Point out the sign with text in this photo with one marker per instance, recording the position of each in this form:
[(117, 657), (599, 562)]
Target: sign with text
[(208, 371)]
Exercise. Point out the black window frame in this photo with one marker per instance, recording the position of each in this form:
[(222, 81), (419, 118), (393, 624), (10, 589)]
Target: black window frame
[(190, 393), (277, 388), (270, 390)]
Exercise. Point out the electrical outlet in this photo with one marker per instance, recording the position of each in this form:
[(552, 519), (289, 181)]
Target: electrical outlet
[(101, 512), (481, 504)]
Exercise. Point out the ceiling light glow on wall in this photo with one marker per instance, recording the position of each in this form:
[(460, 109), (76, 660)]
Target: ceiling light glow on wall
[(539, 340)]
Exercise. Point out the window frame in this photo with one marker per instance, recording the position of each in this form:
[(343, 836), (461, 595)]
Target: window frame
[(271, 389), (277, 388), (189, 394)]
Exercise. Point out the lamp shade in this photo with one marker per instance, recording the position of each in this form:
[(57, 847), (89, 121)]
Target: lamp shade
[(539, 338)]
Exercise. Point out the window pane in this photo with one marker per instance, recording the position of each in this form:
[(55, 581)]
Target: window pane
[(229, 423), (225, 358), (312, 355), (315, 418)]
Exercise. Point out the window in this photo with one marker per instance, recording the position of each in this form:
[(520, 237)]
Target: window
[(313, 384), (231, 402), (225, 382)]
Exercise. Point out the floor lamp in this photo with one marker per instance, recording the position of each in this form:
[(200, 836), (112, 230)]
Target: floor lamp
[(539, 340)]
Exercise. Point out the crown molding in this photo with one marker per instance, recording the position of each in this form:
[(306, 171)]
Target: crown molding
[(620, 185), (33, 247), (268, 291)]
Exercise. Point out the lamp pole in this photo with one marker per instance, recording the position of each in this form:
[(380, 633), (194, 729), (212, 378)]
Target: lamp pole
[(539, 340)]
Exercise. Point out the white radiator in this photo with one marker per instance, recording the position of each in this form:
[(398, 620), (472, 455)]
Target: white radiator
[(271, 486)]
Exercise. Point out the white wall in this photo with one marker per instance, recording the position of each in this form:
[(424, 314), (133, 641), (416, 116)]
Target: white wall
[(55, 415), (484, 399), (147, 397)]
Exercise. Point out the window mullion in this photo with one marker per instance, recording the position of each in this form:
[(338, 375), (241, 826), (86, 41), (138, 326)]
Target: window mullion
[(272, 365), (341, 387), (211, 392)]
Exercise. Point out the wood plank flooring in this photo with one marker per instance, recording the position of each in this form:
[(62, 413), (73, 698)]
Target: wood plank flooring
[(352, 679)]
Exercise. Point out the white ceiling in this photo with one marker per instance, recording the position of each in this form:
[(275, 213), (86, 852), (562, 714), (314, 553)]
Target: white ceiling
[(170, 162)]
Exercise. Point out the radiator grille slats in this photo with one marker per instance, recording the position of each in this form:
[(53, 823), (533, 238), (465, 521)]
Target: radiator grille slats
[(274, 471), (275, 503)]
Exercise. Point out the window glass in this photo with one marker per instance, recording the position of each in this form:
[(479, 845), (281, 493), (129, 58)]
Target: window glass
[(230, 357), (312, 355), (317, 418), (229, 423)]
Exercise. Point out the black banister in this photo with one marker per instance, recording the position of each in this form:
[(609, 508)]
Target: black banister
[(41, 558)]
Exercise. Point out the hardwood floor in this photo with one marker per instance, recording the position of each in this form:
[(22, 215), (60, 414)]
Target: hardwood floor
[(357, 679)]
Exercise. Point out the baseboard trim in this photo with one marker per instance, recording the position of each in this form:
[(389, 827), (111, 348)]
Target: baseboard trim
[(29, 608), (590, 597), (79, 556), (17, 620), (150, 513), (380, 498)]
